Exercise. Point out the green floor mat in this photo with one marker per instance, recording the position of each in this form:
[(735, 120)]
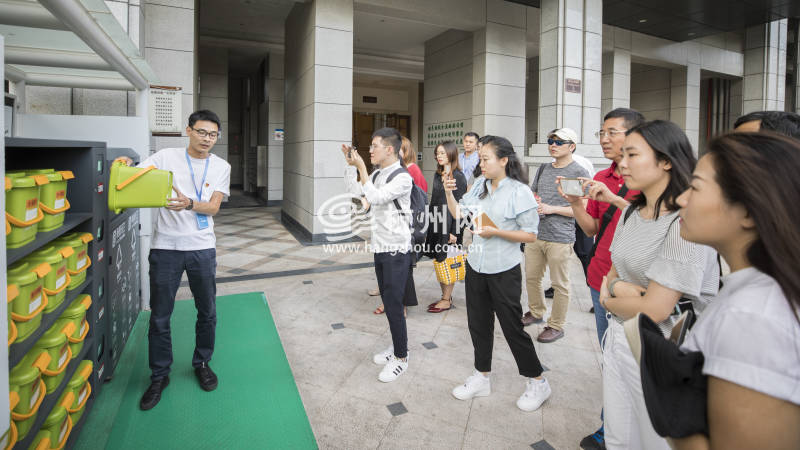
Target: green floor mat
[(256, 405)]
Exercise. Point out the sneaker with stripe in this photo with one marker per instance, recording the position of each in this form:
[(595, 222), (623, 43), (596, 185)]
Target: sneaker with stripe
[(393, 369), (384, 356)]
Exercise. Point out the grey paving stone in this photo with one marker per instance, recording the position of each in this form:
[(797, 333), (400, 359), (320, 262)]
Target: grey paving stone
[(237, 271), (429, 345), (542, 445), (337, 326), (308, 282), (397, 408)]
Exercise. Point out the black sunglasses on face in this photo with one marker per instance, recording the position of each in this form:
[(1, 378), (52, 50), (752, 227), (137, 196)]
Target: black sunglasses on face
[(551, 141)]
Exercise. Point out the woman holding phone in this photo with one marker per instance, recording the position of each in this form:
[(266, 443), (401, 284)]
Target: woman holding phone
[(494, 278), (750, 334), (652, 269), (443, 229)]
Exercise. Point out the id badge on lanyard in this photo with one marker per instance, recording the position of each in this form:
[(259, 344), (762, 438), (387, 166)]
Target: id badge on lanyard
[(202, 219)]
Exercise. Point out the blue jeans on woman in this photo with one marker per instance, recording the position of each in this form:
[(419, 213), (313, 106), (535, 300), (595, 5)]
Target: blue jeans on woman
[(599, 315)]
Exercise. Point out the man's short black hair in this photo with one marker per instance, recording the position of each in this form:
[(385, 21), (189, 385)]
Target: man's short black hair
[(630, 117), (781, 122), (390, 137), (205, 114), (473, 134)]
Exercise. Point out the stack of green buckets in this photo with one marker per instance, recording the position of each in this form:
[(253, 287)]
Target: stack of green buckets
[(36, 200)]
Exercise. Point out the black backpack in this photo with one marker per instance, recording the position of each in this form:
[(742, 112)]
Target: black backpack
[(418, 223)]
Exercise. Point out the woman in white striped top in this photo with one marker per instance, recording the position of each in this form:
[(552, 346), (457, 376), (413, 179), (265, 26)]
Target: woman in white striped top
[(653, 268)]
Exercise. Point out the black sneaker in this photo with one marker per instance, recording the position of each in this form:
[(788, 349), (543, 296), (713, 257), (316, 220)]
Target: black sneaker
[(206, 377), (594, 441), (152, 395), (549, 293)]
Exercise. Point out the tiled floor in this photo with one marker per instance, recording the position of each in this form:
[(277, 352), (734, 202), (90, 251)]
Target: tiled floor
[(324, 316)]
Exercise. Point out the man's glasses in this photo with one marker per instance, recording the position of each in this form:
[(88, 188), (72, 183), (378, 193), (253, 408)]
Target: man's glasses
[(205, 133), (610, 133), (551, 141)]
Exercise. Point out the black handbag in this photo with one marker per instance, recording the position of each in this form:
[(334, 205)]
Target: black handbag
[(673, 383)]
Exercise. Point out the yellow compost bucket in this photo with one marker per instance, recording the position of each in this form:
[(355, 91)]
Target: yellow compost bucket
[(54, 343), (12, 291), (53, 197), (57, 427), (57, 281), (22, 208), (76, 315), (27, 307), (138, 187), (26, 391), (79, 260), (81, 390)]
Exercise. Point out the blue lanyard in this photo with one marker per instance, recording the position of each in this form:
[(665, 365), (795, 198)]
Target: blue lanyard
[(197, 191)]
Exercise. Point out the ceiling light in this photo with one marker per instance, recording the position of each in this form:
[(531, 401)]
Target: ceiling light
[(642, 20)]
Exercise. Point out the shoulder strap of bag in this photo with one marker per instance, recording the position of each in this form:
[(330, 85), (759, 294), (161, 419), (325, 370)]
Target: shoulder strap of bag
[(535, 185), (391, 177), (607, 216)]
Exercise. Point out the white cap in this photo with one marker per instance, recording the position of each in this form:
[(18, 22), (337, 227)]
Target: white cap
[(568, 134)]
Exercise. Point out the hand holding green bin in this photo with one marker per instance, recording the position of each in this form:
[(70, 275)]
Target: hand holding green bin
[(138, 187)]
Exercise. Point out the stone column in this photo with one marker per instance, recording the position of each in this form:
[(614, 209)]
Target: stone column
[(685, 101), (275, 121), (213, 91), (570, 72), (169, 48), (498, 73), (616, 90), (765, 67), (318, 109)]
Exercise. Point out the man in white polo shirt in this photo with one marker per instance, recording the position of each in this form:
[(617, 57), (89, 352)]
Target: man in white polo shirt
[(184, 240)]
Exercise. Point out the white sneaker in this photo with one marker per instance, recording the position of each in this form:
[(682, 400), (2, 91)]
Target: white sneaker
[(477, 385), (536, 392), (384, 356), (393, 369)]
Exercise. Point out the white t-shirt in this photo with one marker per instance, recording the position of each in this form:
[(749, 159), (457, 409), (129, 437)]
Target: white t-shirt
[(750, 336), (178, 230)]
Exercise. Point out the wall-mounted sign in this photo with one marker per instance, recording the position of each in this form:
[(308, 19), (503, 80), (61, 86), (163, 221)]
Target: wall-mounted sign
[(369, 99), (278, 134), (437, 133), (166, 117), (572, 85)]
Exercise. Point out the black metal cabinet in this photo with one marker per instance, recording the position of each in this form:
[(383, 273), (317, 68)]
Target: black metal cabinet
[(87, 194)]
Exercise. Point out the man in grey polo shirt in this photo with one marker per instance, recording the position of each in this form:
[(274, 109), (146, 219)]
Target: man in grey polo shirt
[(556, 236)]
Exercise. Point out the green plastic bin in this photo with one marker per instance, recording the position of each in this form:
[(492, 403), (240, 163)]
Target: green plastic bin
[(81, 390), (138, 187), (22, 208), (76, 315), (57, 281), (12, 292), (54, 343), (53, 197), (26, 392), (56, 428), (79, 261), (27, 307)]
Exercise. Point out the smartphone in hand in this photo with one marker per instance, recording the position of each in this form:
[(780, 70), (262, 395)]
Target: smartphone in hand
[(572, 186)]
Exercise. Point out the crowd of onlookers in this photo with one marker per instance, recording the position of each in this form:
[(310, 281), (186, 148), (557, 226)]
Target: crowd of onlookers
[(691, 358)]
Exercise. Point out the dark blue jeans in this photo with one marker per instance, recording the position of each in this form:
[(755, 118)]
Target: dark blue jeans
[(599, 316), (392, 271), (166, 269)]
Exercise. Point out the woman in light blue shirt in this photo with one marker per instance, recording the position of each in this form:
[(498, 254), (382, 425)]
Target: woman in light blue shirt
[(494, 278)]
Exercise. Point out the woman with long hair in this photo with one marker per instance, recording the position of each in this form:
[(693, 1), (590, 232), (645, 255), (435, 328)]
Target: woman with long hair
[(409, 156), (652, 269), (742, 202), (443, 229), (494, 278)]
